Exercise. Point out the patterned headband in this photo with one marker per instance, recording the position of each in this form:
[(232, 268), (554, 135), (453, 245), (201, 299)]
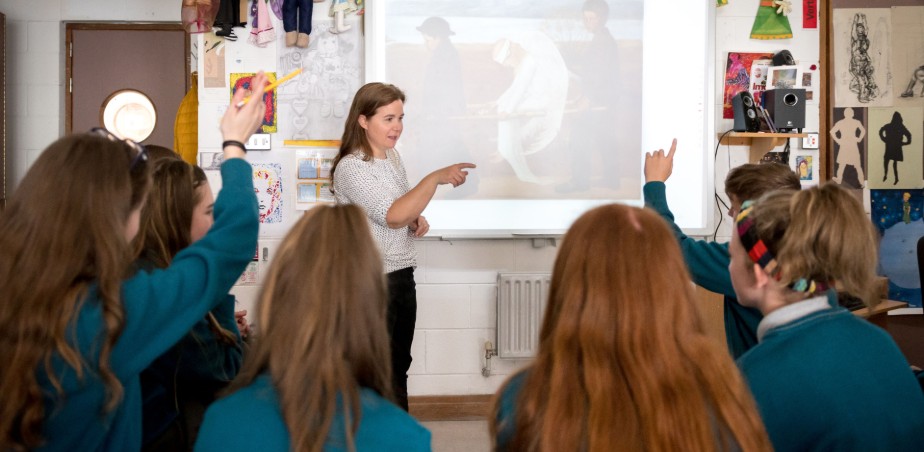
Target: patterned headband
[(760, 254)]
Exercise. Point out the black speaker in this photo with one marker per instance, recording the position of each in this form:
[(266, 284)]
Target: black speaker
[(786, 107), (746, 117)]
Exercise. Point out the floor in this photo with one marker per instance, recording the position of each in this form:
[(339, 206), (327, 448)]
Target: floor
[(459, 436)]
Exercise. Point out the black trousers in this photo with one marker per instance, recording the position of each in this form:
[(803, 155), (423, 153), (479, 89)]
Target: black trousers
[(402, 318)]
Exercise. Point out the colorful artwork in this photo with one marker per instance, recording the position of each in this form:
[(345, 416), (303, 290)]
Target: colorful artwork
[(267, 184), (737, 77), (242, 81), (804, 167), (897, 215)]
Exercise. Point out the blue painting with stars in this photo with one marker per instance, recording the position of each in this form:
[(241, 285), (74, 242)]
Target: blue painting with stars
[(897, 215)]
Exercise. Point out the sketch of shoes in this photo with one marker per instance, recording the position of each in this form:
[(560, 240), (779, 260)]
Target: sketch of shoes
[(339, 110), (325, 110)]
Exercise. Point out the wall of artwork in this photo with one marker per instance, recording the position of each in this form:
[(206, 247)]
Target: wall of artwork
[(876, 126)]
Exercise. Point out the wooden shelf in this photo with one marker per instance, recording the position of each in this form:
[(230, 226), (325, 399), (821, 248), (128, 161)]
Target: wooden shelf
[(759, 142), (881, 308)]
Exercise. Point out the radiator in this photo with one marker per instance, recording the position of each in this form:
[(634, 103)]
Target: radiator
[(521, 299)]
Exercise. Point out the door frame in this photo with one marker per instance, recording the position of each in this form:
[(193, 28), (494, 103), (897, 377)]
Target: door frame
[(69, 28)]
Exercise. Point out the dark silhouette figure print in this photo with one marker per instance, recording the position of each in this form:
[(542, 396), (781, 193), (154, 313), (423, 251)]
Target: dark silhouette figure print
[(895, 135)]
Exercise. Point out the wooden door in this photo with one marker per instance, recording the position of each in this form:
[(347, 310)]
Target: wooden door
[(104, 58)]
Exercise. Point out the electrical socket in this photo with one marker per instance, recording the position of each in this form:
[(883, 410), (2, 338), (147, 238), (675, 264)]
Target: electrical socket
[(810, 141)]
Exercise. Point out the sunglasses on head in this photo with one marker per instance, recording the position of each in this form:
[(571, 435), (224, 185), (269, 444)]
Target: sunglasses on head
[(141, 154)]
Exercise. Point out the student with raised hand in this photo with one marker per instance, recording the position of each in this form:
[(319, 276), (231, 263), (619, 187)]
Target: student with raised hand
[(624, 362), (178, 386), (319, 378), (78, 326), (708, 261), (369, 172), (823, 378)]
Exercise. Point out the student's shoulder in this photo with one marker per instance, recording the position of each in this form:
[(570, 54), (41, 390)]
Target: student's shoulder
[(382, 420)]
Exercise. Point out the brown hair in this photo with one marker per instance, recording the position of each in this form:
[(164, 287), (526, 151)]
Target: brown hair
[(322, 324), (820, 234), (623, 361), (166, 221), (63, 229), (366, 102), (751, 180)]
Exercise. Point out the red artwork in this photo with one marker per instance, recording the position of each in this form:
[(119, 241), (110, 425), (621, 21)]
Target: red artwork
[(737, 77)]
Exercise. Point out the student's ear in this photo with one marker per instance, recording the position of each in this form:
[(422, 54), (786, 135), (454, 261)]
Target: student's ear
[(761, 278), (363, 122)]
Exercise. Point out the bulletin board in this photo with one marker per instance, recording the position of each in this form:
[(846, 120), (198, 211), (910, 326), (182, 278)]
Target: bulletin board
[(873, 114)]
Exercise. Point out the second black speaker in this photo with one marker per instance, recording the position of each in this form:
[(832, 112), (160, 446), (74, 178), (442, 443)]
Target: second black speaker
[(745, 111), (786, 107)]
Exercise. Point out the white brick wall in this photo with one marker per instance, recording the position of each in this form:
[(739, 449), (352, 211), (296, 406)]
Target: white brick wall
[(455, 279)]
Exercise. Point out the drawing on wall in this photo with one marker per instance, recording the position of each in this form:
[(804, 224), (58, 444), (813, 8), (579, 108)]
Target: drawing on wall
[(213, 60), (249, 276), (897, 216), (849, 136), (804, 167), (267, 184), (908, 54), (895, 148), (736, 77), (242, 81), (862, 58), (315, 105), (210, 161)]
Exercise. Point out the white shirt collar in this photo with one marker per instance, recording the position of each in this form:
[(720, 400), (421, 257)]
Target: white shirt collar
[(791, 312)]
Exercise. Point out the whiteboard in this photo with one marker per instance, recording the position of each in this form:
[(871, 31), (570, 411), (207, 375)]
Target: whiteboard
[(549, 139)]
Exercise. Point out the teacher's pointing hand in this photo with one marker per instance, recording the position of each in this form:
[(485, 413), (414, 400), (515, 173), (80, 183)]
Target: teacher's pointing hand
[(453, 174)]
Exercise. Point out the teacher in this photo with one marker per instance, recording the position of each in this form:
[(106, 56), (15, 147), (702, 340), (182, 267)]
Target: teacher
[(369, 172)]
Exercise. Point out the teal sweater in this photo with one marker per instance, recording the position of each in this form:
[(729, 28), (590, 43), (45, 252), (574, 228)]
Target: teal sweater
[(160, 308), (250, 419), (831, 381), (708, 265)]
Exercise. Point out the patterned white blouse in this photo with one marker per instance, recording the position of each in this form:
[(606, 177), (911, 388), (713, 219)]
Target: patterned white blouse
[(374, 185)]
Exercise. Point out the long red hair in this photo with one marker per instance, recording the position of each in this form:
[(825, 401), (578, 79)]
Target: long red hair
[(623, 361)]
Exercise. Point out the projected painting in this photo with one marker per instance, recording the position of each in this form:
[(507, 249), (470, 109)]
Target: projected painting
[(544, 96)]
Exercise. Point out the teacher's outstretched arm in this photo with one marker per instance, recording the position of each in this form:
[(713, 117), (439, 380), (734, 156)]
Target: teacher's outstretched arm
[(406, 209)]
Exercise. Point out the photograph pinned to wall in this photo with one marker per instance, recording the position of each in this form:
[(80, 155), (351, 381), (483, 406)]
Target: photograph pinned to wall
[(862, 57), (250, 276), (805, 168), (849, 134), (759, 71), (737, 77), (210, 161), (315, 162), (808, 80), (897, 216), (267, 184), (895, 147), (783, 77), (213, 60), (314, 105), (908, 54), (239, 80)]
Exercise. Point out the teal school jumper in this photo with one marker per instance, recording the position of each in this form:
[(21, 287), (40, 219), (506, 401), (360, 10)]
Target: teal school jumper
[(833, 381), (505, 421), (160, 308), (250, 419), (708, 265)]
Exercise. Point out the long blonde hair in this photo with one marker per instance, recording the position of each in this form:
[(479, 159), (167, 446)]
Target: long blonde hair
[(623, 361), (321, 318), (820, 234), (63, 231)]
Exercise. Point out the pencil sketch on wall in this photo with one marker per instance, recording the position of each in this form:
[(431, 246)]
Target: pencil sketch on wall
[(862, 62)]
